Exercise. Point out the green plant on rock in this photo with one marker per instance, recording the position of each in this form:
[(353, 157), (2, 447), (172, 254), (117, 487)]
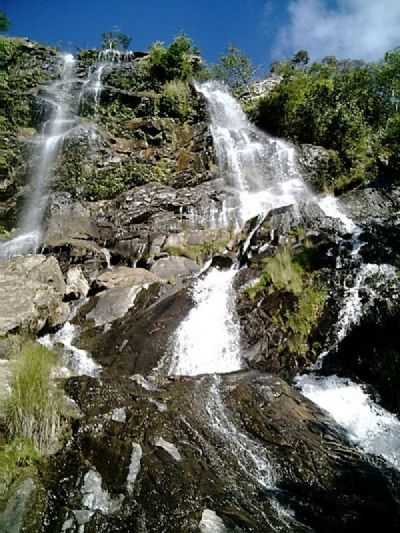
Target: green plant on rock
[(175, 99), (199, 252), (178, 61), (17, 458), (287, 274), (35, 404)]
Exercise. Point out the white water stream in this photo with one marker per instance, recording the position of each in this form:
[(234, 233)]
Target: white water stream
[(368, 425), (62, 120), (261, 174)]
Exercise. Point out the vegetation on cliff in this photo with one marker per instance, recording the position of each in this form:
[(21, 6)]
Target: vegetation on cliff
[(302, 297), (348, 107), (32, 412)]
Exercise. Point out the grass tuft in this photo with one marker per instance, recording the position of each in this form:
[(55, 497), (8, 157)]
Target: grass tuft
[(34, 407)]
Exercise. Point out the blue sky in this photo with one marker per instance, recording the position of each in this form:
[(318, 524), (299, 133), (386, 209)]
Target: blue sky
[(264, 29), (211, 23)]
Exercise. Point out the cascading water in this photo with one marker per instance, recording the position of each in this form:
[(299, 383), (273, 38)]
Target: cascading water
[(198, 350), (62, 120), (62, 123), (260, 173), (368, 425), (107, 59)]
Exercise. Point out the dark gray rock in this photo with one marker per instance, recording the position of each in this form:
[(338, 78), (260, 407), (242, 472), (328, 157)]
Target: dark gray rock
[(246, 446)]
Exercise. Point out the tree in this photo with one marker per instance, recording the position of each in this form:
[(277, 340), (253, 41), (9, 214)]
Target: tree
[(4, 22), (301, 58), (235, 69), (115, 40)]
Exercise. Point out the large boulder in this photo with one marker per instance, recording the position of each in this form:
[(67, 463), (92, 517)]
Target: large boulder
[(174, 268), (140, 340), (31, 293), (243, 452), (136, 225), (73, 236), (125, 277)]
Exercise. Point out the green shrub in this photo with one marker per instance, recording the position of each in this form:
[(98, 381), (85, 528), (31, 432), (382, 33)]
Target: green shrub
[(175, 62), (34, 407), (175, 99), (280, 273), (345, 106)]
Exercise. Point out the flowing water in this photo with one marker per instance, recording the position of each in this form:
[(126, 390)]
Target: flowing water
[(368, 425), (260, 173), (216, 350), (62, 120)]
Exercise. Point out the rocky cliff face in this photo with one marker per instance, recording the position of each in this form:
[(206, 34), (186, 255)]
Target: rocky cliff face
[(129, 227)]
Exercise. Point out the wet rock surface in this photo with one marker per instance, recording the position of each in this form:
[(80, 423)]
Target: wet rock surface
[(134, 221), (138, 342), (205, 458)]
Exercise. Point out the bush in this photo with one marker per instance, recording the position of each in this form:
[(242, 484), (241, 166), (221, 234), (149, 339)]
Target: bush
[(176, 62), (321, 107), (175, 99), (34, 407)]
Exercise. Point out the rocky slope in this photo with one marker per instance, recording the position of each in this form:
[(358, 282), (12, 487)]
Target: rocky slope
[(127, 232)]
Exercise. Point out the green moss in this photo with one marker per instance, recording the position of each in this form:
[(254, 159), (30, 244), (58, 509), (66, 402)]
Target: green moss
[(86, 180), (199, 252)]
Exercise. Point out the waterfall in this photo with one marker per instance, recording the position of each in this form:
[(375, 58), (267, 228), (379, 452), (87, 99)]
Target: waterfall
[(62, 120), (367, 424), (93, 86), (62, 123), (208, 340), (260, 173)]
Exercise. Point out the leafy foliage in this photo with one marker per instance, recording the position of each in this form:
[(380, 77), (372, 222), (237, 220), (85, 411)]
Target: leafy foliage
[(16, 458), (234, 68), (179, 61), (349, 107), (286, 273), (175, 99)]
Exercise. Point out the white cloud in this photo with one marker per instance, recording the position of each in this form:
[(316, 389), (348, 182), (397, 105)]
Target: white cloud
[(358, 29)]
